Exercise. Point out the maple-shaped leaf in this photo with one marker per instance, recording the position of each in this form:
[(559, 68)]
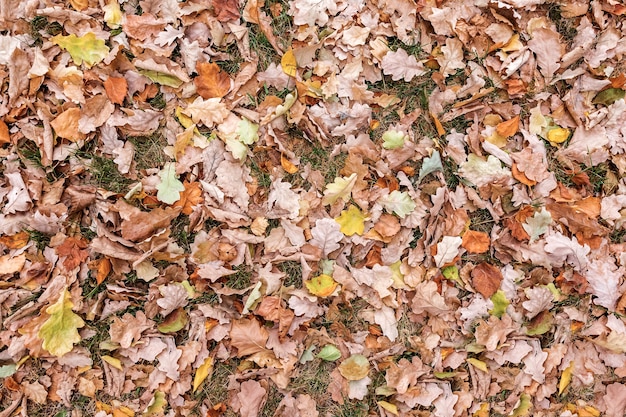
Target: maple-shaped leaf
[(60, 331), (169, 189), (398, 202), (393, 139), (326, 235), (87, 48), (475, 241), (341, 188), (190, 197), (74, 251), (207, 112), (211, 81), (352, 221), (401, 66), (447, 250), (248, 336)]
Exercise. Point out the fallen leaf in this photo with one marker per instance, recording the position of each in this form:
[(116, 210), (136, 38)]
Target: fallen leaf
[(202, 373), (248, 337), (341, 188), (486, 279), (170, 187), (66, 125), (10, 264), (352, 221), (354, 368), (211, 81), (60, 331), (74, 251), (190, 198), (87, 48), (476, 241), (508, 128), (321, 286), (288, 63), (116, 89)]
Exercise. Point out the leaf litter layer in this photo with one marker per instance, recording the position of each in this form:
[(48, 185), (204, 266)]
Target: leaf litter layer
[(312, 208)]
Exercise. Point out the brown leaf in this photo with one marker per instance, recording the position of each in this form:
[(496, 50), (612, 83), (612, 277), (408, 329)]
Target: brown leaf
[(74, 251), (508, 128), (116, 89), (142, 26), (16, 241), (388, 225), (520, 176), (102, 269), (142, 225), (66, 125), (486, 279), (475, 241), (226, 10), (190, 198), (11, 264), (5, 137), (127, 330), (577, 221), (211, 80), (248, 337)]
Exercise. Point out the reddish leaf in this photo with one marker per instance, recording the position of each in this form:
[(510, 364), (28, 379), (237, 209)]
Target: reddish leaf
[(486, 279), (226, 10), (5, 137), (74, 251), (475, 241), (211, 80), (116, 89), (190, 198)]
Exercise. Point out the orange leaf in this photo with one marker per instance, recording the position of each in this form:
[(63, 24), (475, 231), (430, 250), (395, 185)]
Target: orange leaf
[(475, 241), (486, 279), (190, 198), (5, 137), (521, 177), (16, 241), (508, 128), (66, 125), (440, 130), (116, 89), (74, 251), (211, 81), (288, 165), (103, 268)]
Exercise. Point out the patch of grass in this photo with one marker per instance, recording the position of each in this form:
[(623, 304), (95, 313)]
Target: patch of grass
[(416, 50), (567, 28), (262, 47), (618, 236), (231, 65), (158, 102), (214, 389), (274, 397), (149, 150), (481, 221), (240, 279), (41, 240), (104, 174), (180, 232), (293, 271)]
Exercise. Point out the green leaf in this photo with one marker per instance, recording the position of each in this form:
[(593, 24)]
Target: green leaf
[(87, 48), (253, 298), (500, 304), (609, 96), (169, 189), (7, 370), (430, 165), (60, 332), (538, 224), (307, 355), (398, 202), (329, 353), (540, 324), (452, 273), (247, 131), (157, 405), (161, 78), (321, 286), (352, 221), (393, 139), (174, 322), (341, 188)]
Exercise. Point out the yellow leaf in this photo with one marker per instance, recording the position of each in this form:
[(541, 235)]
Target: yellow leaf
[(288, 165), (558, 135), (321, 286), (392, 408), (60, 332), (114, 362), (524, 406), (202, 373), (478, 364), (566, 377), (351, 221), (183, 119), (288, 63), (483, 411), (157, 405), (440, 130), (87, 48), (341, 188)]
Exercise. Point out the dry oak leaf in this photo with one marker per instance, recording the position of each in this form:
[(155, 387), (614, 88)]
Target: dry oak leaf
[(74, 251), (475, 241), (211, 81), (226, 10), (208, 112), (248, 336), (16, 241), (128, 329), (486, 279), (66, 125), (60, 331), (141, 225), (116, 89), (190, 198)]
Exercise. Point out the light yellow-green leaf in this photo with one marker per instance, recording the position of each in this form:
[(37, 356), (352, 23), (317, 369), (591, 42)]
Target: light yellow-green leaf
[(397, 275), (321, 286), (537, 121), (341, 188), (354, 368), (202, 373), (478, 364), (500, 303), (253, 298), (329, 353), (87, 48), (60, 332), (392, 408), (524, 406), (114, 362), (247, 131), (352, 221), (393, 139), (566, 377), (161, 78), (238, 149), (169, 189), (112, 14), (157, 405), (398, 202)]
